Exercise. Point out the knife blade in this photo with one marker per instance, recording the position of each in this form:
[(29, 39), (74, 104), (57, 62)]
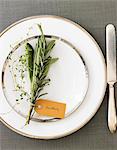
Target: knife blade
[(111, 53), (111, 75)]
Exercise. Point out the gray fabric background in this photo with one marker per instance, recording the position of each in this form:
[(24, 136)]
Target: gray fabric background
[(92, 15)]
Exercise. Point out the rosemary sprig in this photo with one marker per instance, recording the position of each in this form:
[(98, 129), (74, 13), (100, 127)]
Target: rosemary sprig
[(39, 62)]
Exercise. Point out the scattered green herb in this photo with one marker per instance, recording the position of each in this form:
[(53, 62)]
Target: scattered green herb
[(37, 62)]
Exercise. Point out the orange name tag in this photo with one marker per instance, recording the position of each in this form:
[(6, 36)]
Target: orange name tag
[(50, 108)]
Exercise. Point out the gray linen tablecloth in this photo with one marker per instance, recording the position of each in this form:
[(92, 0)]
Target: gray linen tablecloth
[(92, 15)]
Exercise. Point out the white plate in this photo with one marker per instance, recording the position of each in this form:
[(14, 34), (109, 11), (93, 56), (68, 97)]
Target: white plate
[(69, 77), (91, 54)]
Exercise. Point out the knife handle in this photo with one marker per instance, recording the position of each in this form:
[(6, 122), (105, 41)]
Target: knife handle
[(112, 119)]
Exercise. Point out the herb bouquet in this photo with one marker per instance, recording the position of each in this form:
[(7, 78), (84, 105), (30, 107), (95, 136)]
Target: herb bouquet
[(38, 61)]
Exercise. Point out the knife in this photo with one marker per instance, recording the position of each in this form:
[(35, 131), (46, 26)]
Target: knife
[(111, 75)]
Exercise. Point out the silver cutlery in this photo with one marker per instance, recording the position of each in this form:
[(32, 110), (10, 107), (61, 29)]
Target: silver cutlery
[(111, 75)]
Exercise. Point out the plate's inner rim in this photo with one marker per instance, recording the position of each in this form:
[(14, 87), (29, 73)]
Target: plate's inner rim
[(15, 48)]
